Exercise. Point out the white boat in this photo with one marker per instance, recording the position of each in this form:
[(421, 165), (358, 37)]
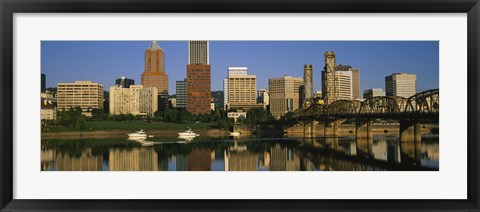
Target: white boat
[(184, 139), (234, 133), (187, 133), (136, 139), (147, 143), (138, 134)]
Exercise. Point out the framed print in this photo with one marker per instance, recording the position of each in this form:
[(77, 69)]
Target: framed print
[(263, 105)]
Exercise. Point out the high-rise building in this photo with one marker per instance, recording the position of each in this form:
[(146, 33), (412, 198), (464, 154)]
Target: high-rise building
[(181, 87), (339, 81), (154, 74), (135, 100), (198, 78), (43, 83), (225, 93), (344, 84), (124, 82), (307, 85), (242, 71), (84, 94), (367, 94), (355, 83), (198, 89), (355, 78), (241, 87), (329, 80), (264, 98), (401, 84), (284, 95), (198, 53)]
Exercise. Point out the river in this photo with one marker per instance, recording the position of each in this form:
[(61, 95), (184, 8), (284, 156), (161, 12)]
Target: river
[(381, 153)]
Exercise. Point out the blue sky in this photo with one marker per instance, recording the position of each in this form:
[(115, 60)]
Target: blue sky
[(105, 61)]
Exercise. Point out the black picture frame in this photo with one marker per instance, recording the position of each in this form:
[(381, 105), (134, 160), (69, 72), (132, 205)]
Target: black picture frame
[(9, 7)]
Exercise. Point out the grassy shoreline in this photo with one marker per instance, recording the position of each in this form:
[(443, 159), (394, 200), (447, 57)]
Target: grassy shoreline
[(117, 129), (127, 125)]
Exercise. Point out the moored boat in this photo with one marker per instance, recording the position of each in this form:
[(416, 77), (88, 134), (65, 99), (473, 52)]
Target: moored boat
[(187, 133), (138, 134)]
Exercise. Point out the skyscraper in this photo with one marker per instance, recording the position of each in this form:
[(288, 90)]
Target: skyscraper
[(355, 78), (198, 53), (308, 85), (373, 93), (263, 98), (355, 83), (124, 82), (154, 74), (43, 83), (344, 84), (401, 84), (284, 95), (339, 81), (181, 87), (225, 93), (242, 88), (231, 71), (198, 89), (329, 79), (198, 78)]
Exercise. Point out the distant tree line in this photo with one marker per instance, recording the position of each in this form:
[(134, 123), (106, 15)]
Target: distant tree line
[(72, 118)]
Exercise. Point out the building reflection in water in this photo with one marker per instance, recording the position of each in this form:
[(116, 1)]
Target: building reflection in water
[(47, 159), (386, 151), (134, 159), (85, 162), (284, 159), (196, 160), (313, 154), (238, 158)]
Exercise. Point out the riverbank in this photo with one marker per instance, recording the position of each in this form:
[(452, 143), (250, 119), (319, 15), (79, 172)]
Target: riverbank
[(123, 133), (118, 129)]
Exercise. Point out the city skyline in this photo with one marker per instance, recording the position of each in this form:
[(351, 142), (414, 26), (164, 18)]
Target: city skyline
[(105, 61)]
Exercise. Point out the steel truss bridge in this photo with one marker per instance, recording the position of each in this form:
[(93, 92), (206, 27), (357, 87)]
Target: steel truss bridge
[(421, 106)]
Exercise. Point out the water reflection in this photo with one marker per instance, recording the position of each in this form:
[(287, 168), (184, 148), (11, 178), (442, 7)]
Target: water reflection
[(249, 154)]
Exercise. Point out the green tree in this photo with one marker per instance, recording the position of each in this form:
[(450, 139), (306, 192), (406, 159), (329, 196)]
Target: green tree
[(99, 114)]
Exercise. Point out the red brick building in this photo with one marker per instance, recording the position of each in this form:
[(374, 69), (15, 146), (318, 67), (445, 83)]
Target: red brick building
[(198, 89)]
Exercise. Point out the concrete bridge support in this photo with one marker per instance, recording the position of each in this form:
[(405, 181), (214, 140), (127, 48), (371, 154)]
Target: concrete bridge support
[(309, 128), (410, 131), (331, 128), (363, 129)]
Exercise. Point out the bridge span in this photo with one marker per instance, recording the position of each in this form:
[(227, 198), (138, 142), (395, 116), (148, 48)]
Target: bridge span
[(409, 112)]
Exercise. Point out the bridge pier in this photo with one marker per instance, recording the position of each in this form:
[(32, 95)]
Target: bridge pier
[(331, 128), (410, 131), (309, 128), (363, 128)]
